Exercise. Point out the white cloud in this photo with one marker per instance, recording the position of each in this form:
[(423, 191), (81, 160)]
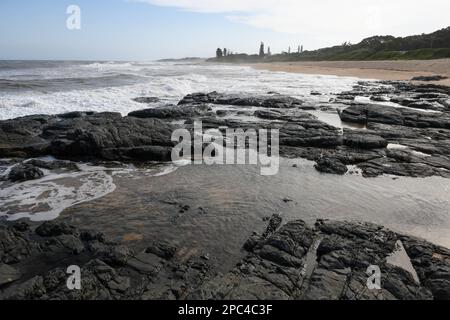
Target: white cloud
[(327, 20)]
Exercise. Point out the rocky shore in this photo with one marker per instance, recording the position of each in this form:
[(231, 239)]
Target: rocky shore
[(86, 136), (385, 128), (401, 129), (291, 261)]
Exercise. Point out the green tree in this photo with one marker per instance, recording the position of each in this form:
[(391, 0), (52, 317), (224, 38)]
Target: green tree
[(261, 50)]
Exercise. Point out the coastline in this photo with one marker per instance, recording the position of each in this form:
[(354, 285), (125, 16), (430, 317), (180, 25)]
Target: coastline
[(379, 70), (146, 234)]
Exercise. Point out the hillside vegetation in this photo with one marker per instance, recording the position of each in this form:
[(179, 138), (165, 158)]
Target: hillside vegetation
[(435, 45)]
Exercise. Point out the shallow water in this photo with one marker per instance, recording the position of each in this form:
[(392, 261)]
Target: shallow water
[(227, 203), (44, 199)]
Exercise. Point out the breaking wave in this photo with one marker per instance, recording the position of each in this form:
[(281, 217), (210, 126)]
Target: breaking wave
[(58, 87)]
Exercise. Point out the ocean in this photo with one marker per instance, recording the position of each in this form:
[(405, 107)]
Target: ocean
[(51, 87)]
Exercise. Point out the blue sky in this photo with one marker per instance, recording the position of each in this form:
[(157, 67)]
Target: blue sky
[(153, 29)]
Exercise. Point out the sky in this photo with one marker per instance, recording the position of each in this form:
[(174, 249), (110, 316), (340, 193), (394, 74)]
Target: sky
[(156, 29)]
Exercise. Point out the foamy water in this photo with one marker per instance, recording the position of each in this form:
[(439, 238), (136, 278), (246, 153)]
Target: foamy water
[(44, 199), (51, 88)]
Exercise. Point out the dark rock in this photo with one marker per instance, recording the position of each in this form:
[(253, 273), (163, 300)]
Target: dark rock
[(395, 116), (424, 105), (295, 261), (416, 130), (293, 115), (119, 284), (72, 243), (184, 208), (431, 95), (429, 78), (74, 114), (112, 139), (53, 165), (87, 235), (89, 135), (8, 274), (252, 242), (14, 247), (162, 250), (118, 255), (274, 223), (222, 113), (172, 112), (146, 100), (145, 263), (24, 172), (52, 229), (362, 140), (279, 267), (268, 114), (245, 113), (372, 113), (403, 101), (32, 289), (143, 153), (20, 137), (266, 101), (21, 226), (330, 165)]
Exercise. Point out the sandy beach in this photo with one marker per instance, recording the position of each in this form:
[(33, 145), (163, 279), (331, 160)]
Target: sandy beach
[(381, 70)]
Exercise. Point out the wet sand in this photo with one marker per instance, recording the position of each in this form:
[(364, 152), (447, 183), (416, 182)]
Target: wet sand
[(380, 70)]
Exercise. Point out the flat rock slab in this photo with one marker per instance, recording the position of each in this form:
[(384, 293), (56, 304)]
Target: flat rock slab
[(78, 136), (246, 100), (332, 261), (329, 260), (8, 274), (171, 112), (146, 100)]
